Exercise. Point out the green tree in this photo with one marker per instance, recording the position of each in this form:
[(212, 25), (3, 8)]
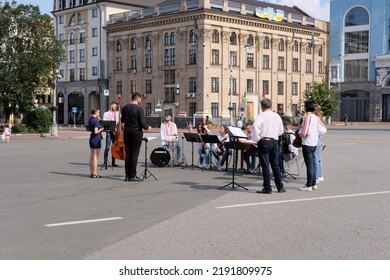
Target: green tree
[(29, 52), (323, 96), (39, 119)]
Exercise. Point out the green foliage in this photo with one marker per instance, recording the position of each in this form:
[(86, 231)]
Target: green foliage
[(29, 52), (323, 96), (38, 119)]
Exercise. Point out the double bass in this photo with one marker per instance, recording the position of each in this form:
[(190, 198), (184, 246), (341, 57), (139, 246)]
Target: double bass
[(118, 149)]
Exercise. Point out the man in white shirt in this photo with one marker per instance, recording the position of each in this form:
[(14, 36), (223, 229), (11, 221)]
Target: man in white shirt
[(310, 128), (169, 136), (111, 115), (266, 130)]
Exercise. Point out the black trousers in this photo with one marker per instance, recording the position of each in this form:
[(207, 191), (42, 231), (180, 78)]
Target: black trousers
[(133, 141)]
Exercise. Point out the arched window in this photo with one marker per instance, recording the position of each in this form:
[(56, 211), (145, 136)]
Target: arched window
[(72, 20), (295, 46), (215, 37), (148, 43), (166, 39), (172, 38), (281, 45), (266, 43), (118, 46), (250, 42), (233, 38), (133, 44), (357, 16), (192, 38)]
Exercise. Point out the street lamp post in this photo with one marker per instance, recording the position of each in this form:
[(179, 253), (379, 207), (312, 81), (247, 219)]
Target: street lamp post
[(54, 125)]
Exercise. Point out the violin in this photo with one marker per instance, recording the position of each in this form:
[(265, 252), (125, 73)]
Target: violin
[(118, 149)]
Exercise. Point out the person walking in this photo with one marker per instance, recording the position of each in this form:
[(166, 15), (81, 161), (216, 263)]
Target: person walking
[(266, 130), (134, 121), (111, 115), (95, 141), (309, 131)]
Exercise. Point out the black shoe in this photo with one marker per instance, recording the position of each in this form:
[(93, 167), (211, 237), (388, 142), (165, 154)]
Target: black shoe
[(264, 191), (115, 165), (282, 190), (136, 179), (127, 178)]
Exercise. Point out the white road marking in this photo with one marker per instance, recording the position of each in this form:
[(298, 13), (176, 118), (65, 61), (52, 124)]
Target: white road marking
[(84, 222), (300, 200)]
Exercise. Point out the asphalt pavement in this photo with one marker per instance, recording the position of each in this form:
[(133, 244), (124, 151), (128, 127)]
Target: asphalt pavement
[(50, 209)]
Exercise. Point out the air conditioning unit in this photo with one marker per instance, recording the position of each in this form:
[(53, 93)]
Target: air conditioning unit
[(148, 49), (188, 95), (193, 95), (148, 70), (134, 71)]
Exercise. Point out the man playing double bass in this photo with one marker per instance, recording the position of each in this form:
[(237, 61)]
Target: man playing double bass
[(134, 121)]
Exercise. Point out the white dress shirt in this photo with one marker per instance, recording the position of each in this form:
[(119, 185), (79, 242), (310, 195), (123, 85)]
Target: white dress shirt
[(268, 124)]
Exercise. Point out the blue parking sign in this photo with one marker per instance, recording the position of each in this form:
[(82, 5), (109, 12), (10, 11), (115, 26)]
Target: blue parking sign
[(74, 109)]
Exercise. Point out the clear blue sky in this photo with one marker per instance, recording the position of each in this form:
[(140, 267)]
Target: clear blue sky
[(317, 8)]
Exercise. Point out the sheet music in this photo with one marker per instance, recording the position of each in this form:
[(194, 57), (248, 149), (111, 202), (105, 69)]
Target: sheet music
[(237, 132), (150, 138)]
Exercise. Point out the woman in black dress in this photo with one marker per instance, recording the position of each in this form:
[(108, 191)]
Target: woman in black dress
[(95, 141)]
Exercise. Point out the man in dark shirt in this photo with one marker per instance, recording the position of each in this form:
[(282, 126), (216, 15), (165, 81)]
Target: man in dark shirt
[(133, 118)]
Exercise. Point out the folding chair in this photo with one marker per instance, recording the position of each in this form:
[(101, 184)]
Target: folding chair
[(293, 165)]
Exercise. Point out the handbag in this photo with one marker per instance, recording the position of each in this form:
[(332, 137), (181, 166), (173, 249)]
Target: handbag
[(297, 143)]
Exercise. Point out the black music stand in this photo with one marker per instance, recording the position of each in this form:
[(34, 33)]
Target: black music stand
[(211, 139), (192, 137), (108, 125), (147, 173), (235, 134)]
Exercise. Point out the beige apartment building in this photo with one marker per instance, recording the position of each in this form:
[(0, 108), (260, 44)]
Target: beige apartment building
[(216, 58)]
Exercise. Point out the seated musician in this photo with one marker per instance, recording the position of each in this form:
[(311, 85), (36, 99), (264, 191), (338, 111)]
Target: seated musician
[(287, 150), (219, 150), (204, 148), (168, 134), (250, 153)]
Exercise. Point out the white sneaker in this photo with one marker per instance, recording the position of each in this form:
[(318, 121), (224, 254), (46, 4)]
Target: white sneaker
[(320, 179), (207, 166), (219, 167), (200, 165), (305, 188), (314, 187), (317, 181), (252, 170)]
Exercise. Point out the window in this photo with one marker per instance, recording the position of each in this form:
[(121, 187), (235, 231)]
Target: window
[(266, 43), (148, 108), (308, 65), (172, 38), (280, 63), (71, 75), (308, 49), (215, 36), (94, 12), (133, 86), (356, 42), (280, 108), (61, 37), (81, 19), (233, 39), (215, 57), (192, 84), (233, 58), (295, 64), (169, 76), (249, 85), (192, 108), (308, 87), (265, 61), (294, 88), (133, 44), (281, 45), (234, 111), (118, 46), (334, 73), (82, 55), (233, 85), (71, 56), (94, 71), (356, 70), (81, 74), (320, 67), (192, 38), (133, 62), (295, 46), (72, 20), (148, 60), (118, 87), (169, 94), (82, 37), (320, 50), (169, 57), (280, 88), (71, 38), (94, 51), (166, 39), (61, 19), (148, 43), (214, 84), (94, 32), (214, 109), (249, 42), (192, 59), (119, 63), (249, 60), (357, 16), (266, 87), (148, 86)]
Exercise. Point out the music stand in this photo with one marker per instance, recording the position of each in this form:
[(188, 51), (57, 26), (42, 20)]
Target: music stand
[(147, 173), (235, 134), (192, 137), (108, 125), (210, 138)]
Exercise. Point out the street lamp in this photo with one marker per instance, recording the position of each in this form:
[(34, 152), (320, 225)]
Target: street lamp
[(54, 125)]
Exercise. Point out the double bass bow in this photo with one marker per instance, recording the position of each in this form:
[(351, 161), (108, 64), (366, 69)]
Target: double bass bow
[(118, 149)]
